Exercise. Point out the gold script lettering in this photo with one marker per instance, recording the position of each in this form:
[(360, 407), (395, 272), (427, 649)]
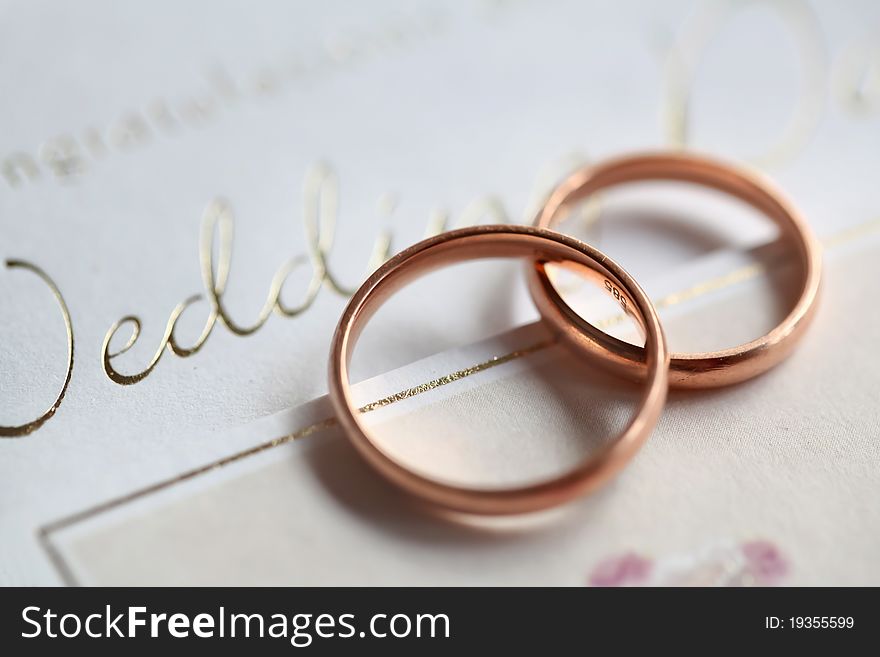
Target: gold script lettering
[(30, 427), (216, 223), (688, 52), (320, 210), (17, 164)]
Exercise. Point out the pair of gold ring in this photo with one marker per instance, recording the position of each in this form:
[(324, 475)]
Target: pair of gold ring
[(652, 363)]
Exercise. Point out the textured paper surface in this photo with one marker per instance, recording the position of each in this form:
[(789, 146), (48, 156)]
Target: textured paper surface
[(417, 108), (772, 481)]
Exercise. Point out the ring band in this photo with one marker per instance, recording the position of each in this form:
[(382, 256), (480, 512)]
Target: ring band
[(699, 370), (499, 241)]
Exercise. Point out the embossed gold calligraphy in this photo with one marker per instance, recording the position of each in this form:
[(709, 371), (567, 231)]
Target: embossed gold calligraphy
[(854, 80), (320, 196), (319, 216), (30, 427)]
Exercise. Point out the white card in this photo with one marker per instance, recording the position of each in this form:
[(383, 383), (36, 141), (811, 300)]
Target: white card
[(768, 482), (124, 123)]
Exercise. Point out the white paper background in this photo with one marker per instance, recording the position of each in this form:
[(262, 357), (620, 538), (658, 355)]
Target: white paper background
[(437, 104), (787, 462)]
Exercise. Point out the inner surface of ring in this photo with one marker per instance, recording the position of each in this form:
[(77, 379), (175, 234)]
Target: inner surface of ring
[(558, 380)]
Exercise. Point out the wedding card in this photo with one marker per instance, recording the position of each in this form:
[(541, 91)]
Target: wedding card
[(768, 482), (188, 194)]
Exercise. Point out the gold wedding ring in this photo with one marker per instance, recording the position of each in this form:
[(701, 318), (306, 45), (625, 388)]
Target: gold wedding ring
[(651, 364), (534, 244), (699, 370)]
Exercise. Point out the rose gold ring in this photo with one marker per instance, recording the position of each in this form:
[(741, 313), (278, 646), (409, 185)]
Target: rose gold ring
[(499, 241), (699, 370)]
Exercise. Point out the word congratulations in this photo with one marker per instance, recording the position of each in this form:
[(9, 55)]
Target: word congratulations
[(68, 157)]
